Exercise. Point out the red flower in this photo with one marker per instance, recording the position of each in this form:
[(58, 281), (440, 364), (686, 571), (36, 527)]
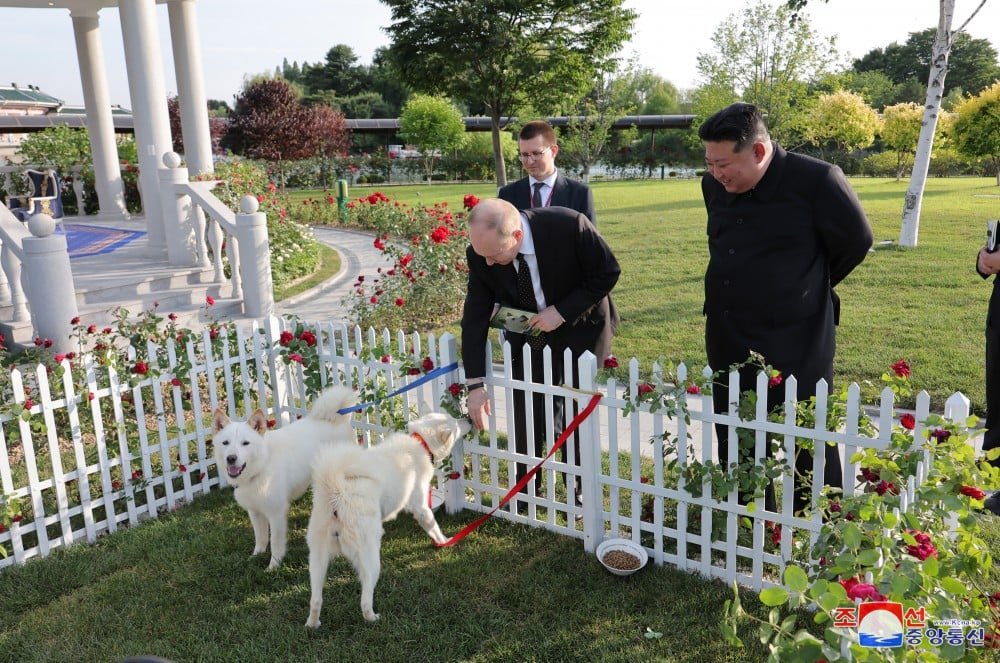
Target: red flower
[(455, 389), (774, 380), (136, 475), (182, 467), (71, 356), (400, 301), (39, 341), (373, 299), (106, 330), (271, 423), (427, 364), (116, 484), (693, 389), (440, 235), (973, 492), (413, 371), (286, 338), (455, 475), (645, 388), (296, 357), (940, 434), (172, 316), (901, 369), (379, 244), (28, 404), (75, 320), (868, 475), (17, 518), (405, 260), (59, 358), (469, 201), (859, 590), (884, 487), (643, 479), (176, 382), (91, 329), (210, 300), (90, 395), (907, 421), (386, 359), (140, 368), (308, 337), (611, 362), (776, 536), (923, 547)]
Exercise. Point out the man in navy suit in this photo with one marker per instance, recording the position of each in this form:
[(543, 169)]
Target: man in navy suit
[(537, 150), (572, 270), (988, 264)]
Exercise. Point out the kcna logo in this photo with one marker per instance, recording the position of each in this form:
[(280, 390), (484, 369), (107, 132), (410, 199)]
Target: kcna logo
[(886, 624)]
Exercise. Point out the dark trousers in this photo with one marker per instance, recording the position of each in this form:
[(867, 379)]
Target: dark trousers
[(991, 440), (804, 348), (545, 430)]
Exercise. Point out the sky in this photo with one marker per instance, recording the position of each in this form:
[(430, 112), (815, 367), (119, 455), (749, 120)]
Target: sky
[(242, 37)]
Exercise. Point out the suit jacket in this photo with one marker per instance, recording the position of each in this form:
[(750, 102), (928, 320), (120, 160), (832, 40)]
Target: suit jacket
[(565, 193), (775, 254), (577, 270)]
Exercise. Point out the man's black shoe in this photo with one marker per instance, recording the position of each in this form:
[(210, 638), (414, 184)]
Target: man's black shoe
[(993, 503)]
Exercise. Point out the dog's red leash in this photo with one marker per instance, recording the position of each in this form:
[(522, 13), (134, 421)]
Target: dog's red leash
[(577, 420)]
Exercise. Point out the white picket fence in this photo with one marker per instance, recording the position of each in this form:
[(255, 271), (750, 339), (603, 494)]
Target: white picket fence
[(78, 486)]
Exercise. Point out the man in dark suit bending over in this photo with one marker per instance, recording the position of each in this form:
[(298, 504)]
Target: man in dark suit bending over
[(571, 270), (783, 231)]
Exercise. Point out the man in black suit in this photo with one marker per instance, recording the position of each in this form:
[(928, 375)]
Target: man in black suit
[(545, 186), (987, 264), (571, 269), (783, 230)]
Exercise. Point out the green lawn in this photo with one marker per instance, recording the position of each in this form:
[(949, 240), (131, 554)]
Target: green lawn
[(926, 304)]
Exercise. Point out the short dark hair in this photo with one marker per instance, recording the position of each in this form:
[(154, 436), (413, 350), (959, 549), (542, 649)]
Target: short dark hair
[(538, 128), (740, 122)]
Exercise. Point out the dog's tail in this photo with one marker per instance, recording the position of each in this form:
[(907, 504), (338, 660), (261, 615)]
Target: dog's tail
[(328, 404)]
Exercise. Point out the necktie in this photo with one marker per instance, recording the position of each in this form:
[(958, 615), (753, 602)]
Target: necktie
[(536, 197), (526, 295)]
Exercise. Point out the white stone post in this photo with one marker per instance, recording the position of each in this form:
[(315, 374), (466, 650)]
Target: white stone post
[(51, 292), (149, 109), (181, 243), (191, 96), (100, 126), (255, 259)]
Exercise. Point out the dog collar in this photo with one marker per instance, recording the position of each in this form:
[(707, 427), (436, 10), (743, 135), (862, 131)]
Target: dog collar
[(420, 438)]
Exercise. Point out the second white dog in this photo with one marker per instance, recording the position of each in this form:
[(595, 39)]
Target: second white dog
[(355, 490)]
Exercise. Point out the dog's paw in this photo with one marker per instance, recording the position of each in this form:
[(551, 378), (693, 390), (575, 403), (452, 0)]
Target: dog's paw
[(275, 563), (258, 550), (371, 616), (312, 622)]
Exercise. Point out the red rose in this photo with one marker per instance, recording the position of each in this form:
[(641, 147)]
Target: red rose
[(923, 548), (440, 235), (296, 357), (454, 476), (693, 389), (106, 330), (413, 371), (643, 479), (91, 329), (869, 475), (611, 362), (75, 321), (28, 404), (182, 467), (172, 316), (379, 244), (427, 364), (116, 484), (901, 369), (645, 388), (455, 389), (271, 423), (776, 536), (59, 358), (373, 299), (907, 421), (90, 395), (136, 475), (405, 260), (884, 487), (973, 492), (859, 590), (308, 337), (210, 300), (176, 382), (469, 201), (774, 380), (286, 338), (386, 359), (400, 301), (140, 368)]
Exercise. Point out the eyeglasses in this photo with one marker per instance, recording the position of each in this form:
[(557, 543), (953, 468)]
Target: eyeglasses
[(525, 156)]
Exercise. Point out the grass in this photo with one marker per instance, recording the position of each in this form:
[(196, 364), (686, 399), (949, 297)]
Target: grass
[(184, 587), (329, 264), (926, 304)]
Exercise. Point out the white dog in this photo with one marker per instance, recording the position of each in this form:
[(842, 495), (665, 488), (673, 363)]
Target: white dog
[(355, 490), (271, 469)]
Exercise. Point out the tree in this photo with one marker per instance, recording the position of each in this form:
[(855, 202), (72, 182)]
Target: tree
[(900, 131), (59, 147), (941, 49), (339, 73), (977, 129), (434, 125), (505, 54), (844, 119), (972, 63), (589, 127), (268, 122), (217, 127), (764, 57)]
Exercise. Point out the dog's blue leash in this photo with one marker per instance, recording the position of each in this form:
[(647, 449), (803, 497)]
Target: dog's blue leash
[(441, 370)]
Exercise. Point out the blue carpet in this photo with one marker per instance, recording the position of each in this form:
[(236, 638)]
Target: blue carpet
[(84, 240)]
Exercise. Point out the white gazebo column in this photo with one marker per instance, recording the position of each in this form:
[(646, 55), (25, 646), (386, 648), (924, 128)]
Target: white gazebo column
[(100, 127), (149, 109), (186, 43)]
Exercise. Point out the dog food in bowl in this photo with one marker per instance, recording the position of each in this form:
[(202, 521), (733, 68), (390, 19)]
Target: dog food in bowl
[(622, 557)]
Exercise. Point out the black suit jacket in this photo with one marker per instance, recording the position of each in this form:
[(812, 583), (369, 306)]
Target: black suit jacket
[(577, 270), (566, 193)]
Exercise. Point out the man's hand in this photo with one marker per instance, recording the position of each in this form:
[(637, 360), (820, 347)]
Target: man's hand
[(478, 403), (546, 320), (989, 263)]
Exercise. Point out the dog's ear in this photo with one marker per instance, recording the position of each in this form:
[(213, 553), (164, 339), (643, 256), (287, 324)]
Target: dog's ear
[(220, 420), (258, 422)]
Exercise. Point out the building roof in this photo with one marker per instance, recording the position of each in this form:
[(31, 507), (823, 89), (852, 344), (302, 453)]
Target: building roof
[(26, 95)]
